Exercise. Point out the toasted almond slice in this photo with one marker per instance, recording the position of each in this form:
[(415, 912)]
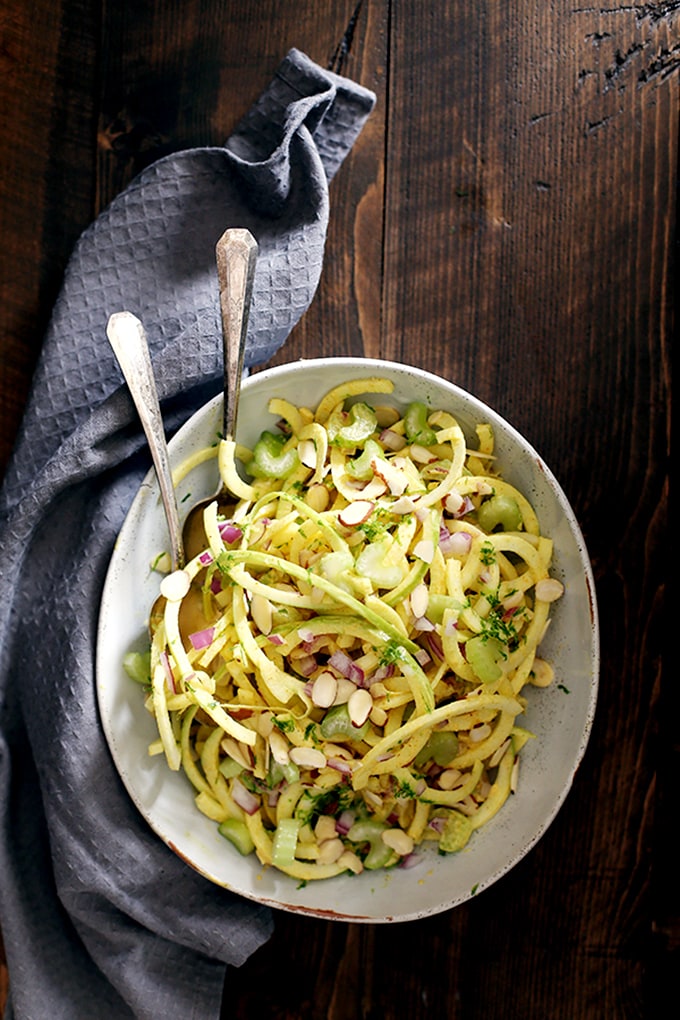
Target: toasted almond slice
[(421, 455), (548, 590), (330, 850), (356, 513), (403, 505), (359, 706), (279, 747), (453, 501), (308, 757), (424, 550), (345, 690), (324, 689), (395, 479), (318, 497), (419, 600), (307, 453), (235, 751), (261, 612), (398, 840)]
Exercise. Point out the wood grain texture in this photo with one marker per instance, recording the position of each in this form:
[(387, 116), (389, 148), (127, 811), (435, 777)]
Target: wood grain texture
[(507, 219)]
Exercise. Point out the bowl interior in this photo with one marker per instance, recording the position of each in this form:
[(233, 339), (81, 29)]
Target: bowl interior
[(560, 715)]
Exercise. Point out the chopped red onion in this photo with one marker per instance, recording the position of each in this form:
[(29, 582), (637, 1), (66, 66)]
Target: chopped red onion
[(454, 544), (410, 860), (342, 662), (216, 584), (244, 798), (422, 657), (340, 765), (391, 440), (306, 664), (202, 638), (205, 558), (229, 532), (435, 645), (344, 822), (466, 506), (169, 678), (383, 672), (275, 639)]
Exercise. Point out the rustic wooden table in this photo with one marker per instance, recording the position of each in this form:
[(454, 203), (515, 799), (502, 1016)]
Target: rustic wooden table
[(507, 219)]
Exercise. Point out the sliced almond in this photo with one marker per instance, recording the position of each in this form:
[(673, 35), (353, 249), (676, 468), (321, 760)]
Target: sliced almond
[(235, 751), (403, 505), (419, 600), (452, 501), (542, 673), (261, 611), (424, 550), (307, 757), (395, 479), (548, 590), (279, 747), (324, 689), (356, 513), (318, 497), (449, 779), (421, 455), (307, 453), (398, 840), (344, 691), (359, 706)]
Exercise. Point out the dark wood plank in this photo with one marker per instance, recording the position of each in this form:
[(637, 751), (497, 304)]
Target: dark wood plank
[(527, 181), (47, 96)]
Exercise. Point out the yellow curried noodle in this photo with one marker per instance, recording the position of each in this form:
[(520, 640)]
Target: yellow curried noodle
[(340, 669)]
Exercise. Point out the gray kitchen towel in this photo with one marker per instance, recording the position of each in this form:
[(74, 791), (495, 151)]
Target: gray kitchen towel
[(99, 918)]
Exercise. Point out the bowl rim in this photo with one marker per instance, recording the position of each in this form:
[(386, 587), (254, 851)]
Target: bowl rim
[(367, 367)]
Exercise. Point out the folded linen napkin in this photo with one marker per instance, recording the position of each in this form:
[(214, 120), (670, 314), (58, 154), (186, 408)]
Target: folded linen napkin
[(99, 917)]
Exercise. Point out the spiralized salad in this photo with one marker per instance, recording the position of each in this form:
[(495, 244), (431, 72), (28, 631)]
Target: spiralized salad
[(340, 666)]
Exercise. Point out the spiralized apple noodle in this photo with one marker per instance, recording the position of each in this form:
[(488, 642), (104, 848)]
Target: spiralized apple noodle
[(340, 669)]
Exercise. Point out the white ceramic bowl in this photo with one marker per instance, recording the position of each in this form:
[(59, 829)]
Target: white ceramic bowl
[(560, 715)]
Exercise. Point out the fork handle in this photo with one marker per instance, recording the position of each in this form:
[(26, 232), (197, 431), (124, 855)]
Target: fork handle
[(235, 254)]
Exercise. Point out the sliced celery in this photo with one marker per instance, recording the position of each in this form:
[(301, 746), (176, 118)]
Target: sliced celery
[(285, 842), (237, 833)]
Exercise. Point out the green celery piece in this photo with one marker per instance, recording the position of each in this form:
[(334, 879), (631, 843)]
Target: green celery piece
[(237, 833), (499, 511), (441, 748), (270, 460), (362, 466), (337, 724), (229, 768), (368, 830), (353, 429), (484, 654), (137, 665), (456, 834), (288, 773), (285, 842), (415, 424)]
